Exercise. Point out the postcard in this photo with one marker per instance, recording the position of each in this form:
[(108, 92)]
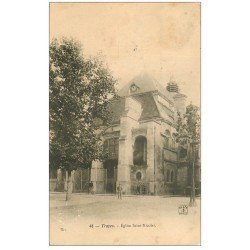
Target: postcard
[(124, 116)]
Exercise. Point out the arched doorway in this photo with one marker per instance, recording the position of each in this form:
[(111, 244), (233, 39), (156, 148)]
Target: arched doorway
[(139, 176)]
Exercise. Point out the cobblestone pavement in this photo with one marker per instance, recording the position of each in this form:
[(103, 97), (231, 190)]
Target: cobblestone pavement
[(138, 220)]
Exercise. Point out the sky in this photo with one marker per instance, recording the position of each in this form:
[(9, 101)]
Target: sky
[(162, 39)]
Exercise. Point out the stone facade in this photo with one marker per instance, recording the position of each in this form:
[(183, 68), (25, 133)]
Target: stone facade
[(147, 161)]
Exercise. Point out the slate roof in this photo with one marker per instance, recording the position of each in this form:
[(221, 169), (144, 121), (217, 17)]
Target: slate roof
[(147, 85), (149, 107), (164, 111)]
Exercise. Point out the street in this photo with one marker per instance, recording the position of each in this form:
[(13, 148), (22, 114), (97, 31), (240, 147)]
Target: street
[(137, 220)]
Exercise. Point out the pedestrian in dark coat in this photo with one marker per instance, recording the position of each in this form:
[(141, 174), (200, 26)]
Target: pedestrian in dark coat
[(138, 189), (119, 191)]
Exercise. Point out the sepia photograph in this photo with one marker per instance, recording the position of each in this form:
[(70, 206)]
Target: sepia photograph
[(124, 123)]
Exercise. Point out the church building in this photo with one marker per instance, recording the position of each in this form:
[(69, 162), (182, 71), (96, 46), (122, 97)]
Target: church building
[(143, 155)]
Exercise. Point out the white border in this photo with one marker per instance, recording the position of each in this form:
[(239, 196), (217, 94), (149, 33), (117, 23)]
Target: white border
[(225, 125)]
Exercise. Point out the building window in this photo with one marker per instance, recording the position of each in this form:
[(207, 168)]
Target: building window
[(166, 142), (138, 176), (183, 152), (133, 88), (111, 148), (173, 144), (168, 175), (140, 151), (172, 176), (174, 141)]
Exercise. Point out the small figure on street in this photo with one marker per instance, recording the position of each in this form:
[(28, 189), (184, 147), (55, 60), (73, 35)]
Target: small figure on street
[(91, 185), (138, 189), (119, 191)]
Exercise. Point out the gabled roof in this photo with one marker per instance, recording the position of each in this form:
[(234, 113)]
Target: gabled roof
[(149, 107), (164, 111)]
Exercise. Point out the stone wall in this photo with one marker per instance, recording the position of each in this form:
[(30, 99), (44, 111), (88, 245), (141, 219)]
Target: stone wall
[(52, 185), (98, 177), (165, 159), (128, 122)]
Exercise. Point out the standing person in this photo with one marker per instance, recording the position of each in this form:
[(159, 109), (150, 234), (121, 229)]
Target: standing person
[(138, 189), (119, 190), (91, 187)]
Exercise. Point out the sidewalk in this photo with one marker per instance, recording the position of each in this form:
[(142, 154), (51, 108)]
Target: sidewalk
[(70, 220), (126, 195)]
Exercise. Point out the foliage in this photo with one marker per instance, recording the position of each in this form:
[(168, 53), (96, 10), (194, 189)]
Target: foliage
[(188, 129), (80, 90), (193, 123), (188, 126)]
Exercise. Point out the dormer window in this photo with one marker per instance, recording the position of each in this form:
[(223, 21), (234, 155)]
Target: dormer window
[(133, 88)]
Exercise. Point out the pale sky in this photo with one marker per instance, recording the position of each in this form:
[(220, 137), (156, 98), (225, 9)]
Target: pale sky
[(162, 39)]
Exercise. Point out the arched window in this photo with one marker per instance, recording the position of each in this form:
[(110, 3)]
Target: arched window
[(172, 176), (174, 140), (140, 151), (166, 142), (168, 175), (138, 176), (183, 152)]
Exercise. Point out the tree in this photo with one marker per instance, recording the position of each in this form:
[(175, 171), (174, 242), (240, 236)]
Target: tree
[(188, 133), (80, 90)]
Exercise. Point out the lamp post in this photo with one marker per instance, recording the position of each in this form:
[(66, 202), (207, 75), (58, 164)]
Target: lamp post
[(192, 202)]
